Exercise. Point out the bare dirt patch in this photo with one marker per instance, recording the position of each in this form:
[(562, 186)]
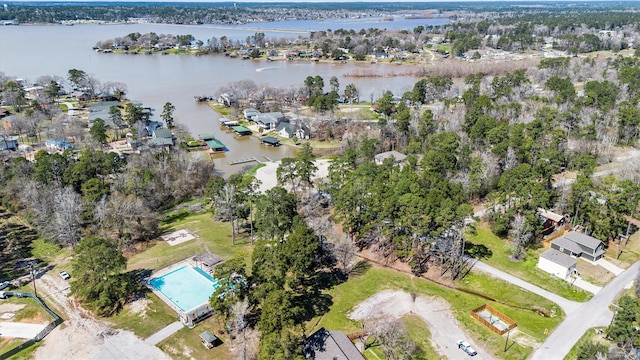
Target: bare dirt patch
[(139, 307), (11, 308), (81, 336), (445, 329)]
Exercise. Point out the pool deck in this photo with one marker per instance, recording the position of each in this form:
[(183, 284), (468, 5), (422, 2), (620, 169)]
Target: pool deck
[(164, 271)]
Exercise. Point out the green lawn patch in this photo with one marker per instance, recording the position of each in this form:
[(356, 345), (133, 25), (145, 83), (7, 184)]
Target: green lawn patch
[(155, 316), (222, 110), (215, 235), (186, 343), (349, 294), (525, 269), (419, 332), (7, 344), (45, 250)]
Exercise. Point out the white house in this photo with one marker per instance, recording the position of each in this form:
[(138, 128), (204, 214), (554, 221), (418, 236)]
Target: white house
[(558, 264)]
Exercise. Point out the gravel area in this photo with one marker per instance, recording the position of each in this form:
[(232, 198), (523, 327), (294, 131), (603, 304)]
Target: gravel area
[(82, 336), (445, 330)]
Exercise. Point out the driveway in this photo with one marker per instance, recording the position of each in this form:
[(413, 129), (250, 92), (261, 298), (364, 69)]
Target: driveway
[(590, 314), (567, 306)]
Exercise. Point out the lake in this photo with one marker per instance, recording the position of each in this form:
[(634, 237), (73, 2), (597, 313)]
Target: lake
[(31, 51)]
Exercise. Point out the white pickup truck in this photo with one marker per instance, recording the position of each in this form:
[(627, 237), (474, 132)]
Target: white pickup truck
[(466, 347)]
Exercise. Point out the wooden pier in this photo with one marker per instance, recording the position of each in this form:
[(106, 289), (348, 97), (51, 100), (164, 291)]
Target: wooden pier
[(243, 161)]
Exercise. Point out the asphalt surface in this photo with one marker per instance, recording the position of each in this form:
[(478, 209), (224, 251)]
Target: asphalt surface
[(567, 306), (593, 313)]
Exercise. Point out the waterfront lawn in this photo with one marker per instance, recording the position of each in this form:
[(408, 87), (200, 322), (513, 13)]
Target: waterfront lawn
[(526, 269), (214, 234), (144, 322), (347, 295)]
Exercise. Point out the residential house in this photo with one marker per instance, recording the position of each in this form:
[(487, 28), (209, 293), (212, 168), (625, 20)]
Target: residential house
[(288, 130), (397, 157), (558, 264), (9, 143), (269, 120), (161, 138), (58, 145), (330, 345), (101, 110), (250, 114), (551, 221), (579, 245)]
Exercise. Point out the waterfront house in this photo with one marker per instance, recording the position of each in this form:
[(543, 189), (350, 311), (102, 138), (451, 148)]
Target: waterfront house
[(578, 244), (269, 120), (397, 157), (161, 138), (558, 264), (250, 114), (330, 345), (285, 130)]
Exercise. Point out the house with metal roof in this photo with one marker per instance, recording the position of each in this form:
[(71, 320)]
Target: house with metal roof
[(579, 245)]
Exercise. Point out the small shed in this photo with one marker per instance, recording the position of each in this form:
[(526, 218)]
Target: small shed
[(208, 339), (208, 259), (558, 264)]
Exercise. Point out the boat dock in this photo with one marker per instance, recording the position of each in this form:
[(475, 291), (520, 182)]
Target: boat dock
[(244, 161)]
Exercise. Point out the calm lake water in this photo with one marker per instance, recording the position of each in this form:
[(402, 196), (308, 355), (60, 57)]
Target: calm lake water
[(29, 51)]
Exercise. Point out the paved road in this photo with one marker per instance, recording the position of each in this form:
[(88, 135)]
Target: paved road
[(590, 314), (164, 333), (567, 306)]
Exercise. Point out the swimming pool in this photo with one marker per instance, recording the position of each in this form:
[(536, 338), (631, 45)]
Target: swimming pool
[(186, 287)]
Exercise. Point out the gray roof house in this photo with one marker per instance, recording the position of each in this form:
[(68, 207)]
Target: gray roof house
[(330, 345), (579, 245), (558, 264), (396, 156)]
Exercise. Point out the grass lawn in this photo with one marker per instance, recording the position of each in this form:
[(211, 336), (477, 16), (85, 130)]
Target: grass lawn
[(525, 269), (7, 344), (214, 234), (186, 344), (420, 334), (154, 317), (347, 295)]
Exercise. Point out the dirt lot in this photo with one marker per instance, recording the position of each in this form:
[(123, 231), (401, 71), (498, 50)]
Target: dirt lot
[(83, 337), (445, 330)]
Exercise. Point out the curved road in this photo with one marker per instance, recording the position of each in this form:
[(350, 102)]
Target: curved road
[(593, 313), (567, 306)]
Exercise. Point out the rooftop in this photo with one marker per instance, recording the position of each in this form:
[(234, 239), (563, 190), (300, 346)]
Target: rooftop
[(330, 345), (559, 258)]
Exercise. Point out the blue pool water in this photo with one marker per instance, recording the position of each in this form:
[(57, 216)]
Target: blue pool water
[(186, 287)]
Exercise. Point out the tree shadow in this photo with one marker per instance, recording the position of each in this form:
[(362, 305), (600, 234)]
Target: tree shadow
[(360, 268)]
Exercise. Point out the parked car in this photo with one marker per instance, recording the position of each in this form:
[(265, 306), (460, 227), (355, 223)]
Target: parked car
[(466, 347), (4, 285), (65, 275)]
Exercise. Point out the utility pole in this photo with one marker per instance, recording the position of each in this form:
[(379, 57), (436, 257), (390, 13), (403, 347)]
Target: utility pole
[(33, 278)]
